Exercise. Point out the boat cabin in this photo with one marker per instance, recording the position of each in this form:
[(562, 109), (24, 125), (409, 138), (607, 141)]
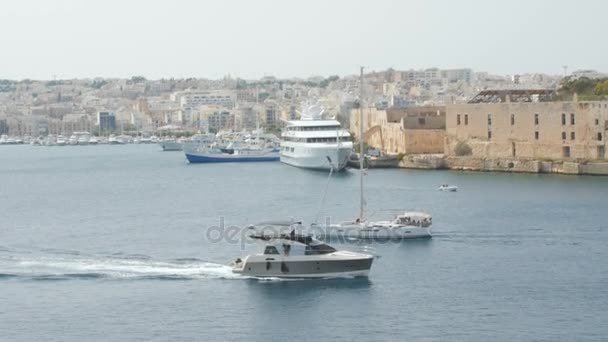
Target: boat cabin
[(294, 245), (414, 219)]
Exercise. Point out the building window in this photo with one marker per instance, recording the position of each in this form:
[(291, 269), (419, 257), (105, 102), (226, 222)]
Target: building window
[(512, 119), (466, 119), (597, 122), (536, 118), (599, 136), (563, 119), (489, 119), (572, 122), (489, 135), (566, 151), (563, 135), (601, 152), (458, 119), (421, 121), (572, 136), (536, 135)]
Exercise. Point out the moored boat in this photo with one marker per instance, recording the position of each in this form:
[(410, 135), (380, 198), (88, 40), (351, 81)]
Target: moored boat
[(216, 155), (315, 143), (170, 145)]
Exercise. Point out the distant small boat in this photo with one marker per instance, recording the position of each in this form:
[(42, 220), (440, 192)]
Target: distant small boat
[(170, 145), (61, 141), (449, 188)]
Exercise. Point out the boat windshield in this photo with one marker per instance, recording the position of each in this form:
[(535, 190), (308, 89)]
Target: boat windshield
[(271, 250), (319, 249)]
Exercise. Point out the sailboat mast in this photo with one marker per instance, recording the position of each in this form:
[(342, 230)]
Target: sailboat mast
[(361, 154)]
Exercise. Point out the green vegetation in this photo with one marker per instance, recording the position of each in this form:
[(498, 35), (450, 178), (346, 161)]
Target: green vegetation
[(263, 96), (7, 86), (587, 89), (138, 79), (97, 84), (328, 80), (463, 149)]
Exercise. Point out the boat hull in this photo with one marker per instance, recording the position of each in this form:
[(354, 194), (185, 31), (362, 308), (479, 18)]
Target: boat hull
[(276, 267), (195, 157), (171, 146), (316, 157), (349, 232)]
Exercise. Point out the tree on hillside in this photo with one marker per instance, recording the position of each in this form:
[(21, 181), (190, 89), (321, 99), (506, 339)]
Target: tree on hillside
[(601, 88)]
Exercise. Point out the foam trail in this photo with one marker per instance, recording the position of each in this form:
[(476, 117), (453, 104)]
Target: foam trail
[(52, 268)]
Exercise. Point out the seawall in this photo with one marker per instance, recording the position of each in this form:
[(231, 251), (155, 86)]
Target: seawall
[(436, 162)]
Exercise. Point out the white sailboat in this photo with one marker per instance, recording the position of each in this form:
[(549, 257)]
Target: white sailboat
[(403, 226)]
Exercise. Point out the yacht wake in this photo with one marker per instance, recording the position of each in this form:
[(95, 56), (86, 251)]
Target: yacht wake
[(48, 268)]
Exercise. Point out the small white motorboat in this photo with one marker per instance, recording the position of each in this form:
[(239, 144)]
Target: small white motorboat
[(296, 255), (449, 188)]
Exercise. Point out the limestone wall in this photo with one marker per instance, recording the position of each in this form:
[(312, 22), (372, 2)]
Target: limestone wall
[(393, 137), (543, 130), (424, 141)]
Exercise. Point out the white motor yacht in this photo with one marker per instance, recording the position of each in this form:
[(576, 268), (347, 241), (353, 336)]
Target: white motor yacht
[(73, 140), (83, 138), (61, 140), (315, 143), (301, 256)]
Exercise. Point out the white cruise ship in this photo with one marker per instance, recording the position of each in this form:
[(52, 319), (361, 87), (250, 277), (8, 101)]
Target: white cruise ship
[(315, 143)]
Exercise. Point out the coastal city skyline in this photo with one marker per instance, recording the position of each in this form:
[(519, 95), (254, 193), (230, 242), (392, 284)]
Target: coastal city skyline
[(157, 40)]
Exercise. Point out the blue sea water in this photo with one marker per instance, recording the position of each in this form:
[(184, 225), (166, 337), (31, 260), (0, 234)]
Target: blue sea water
[(110, 243)]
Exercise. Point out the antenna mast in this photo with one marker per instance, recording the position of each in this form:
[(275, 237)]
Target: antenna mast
[(361, 154)]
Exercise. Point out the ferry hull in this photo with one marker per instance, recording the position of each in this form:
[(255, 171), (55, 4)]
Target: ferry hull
[(228, 158)]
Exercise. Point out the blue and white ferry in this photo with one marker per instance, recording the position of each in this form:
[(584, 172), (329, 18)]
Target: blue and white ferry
[(216, 155)]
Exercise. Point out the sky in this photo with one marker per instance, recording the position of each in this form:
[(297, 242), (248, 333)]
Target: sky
[(42, 39)]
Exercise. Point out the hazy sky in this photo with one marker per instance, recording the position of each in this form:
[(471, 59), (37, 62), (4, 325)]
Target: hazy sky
[(41, 39)]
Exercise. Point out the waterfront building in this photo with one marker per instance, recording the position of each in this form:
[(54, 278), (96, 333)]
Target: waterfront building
[(527, 124), (413, 130), (76, 123), (106, 121), (457, 75), (189, 100), (270, 114), (3, 126)]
